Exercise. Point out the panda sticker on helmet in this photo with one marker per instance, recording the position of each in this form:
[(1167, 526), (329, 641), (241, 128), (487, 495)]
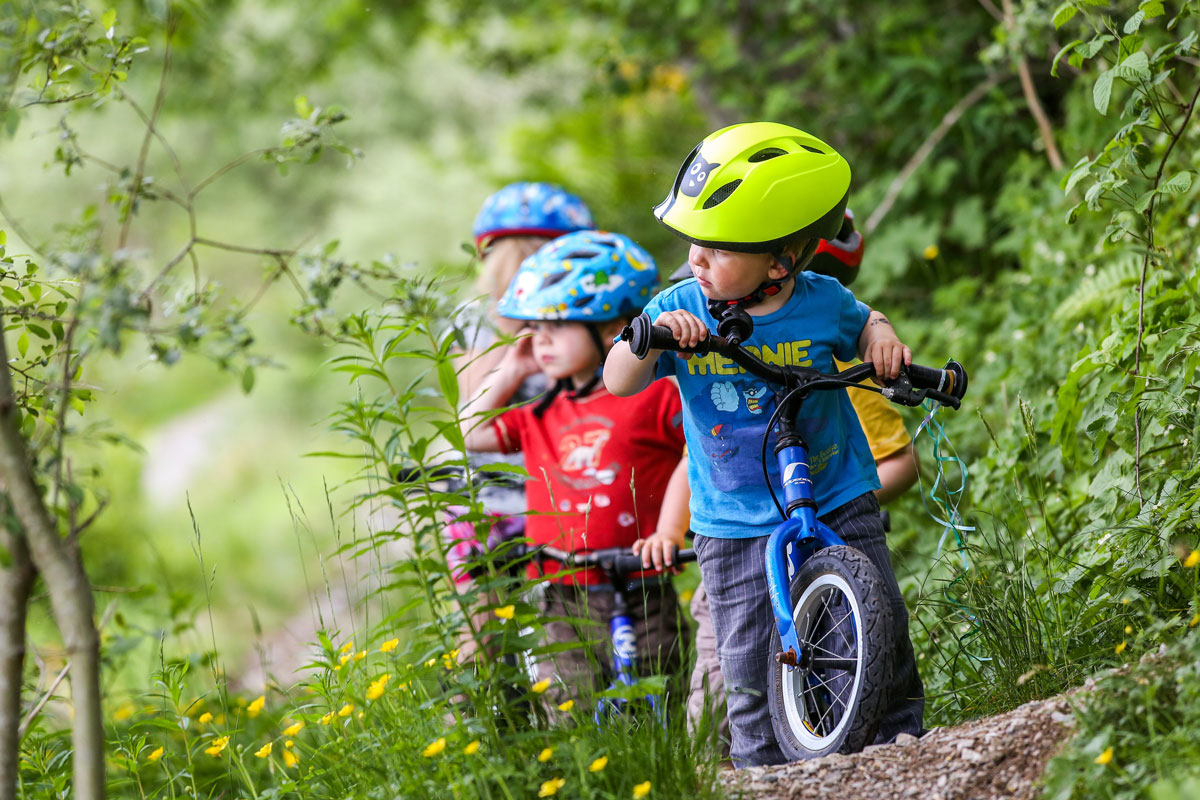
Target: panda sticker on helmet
[(696, 176)]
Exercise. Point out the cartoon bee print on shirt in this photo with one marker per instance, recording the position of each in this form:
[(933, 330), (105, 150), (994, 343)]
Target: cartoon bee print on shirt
[(696, 175)]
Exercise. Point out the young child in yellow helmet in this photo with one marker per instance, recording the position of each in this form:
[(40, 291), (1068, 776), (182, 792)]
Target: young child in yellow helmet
[(755, 200)]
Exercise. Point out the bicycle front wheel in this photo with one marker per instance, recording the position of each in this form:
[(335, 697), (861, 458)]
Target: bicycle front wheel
[(832, 701)]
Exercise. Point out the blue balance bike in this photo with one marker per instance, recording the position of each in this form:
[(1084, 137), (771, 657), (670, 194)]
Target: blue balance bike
[(833, 643)]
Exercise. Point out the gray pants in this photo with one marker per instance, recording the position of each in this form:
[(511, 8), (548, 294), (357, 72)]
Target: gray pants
[(733, 571)]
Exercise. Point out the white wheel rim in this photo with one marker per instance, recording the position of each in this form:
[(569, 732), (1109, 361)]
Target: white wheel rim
[(830, 585)]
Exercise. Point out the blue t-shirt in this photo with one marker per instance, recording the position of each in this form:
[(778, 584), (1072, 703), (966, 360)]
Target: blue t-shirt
[(725, 409)]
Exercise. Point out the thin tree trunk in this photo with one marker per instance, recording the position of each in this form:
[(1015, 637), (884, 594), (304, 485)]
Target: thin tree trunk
[(16, 582), (59, 563)]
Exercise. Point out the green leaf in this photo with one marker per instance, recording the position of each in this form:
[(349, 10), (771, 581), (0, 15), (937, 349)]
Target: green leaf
[(1133, 23), (448, 381), (1091, 48), (303, 108), (12, 295), (1133, 69), (1180, 183), (1152, 8), (1064, 14), (1102, 91), (1067, 49), (108, 21), (23, 344), (38, 331), (247, 379)]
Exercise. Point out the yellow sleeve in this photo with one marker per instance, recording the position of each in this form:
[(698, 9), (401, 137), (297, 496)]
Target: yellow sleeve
[(880, 421)]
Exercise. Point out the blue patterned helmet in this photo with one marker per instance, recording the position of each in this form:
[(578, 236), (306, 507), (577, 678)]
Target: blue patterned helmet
[(530, 209), (586, 276)]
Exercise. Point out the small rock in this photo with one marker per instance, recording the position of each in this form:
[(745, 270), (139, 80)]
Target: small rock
[(1061, 718), (905, 739), (941, 781), (970, 755)]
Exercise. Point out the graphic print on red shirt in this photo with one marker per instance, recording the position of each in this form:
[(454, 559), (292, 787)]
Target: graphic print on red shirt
[(582, 457)]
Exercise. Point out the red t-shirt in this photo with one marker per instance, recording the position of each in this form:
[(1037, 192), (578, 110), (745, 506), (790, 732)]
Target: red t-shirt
[(582, 457)]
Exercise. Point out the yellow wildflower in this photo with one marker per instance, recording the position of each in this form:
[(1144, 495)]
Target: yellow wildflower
[(293, 729), (686, 596), (289, 743), (1128, 629), (328, 718), (930, 252), (567, 706), (472, 748), (343, 659), (217, 746), (389, 645), (290, 758), (450, 659), (1119, 648), (546, 755), (431, 662), (627, 69), (551, 787), (541, 686), (641, 790), (347, 647), (375, 690), (1125, 601), (1105, 757), (265, 750), (360, 655), (155, 754), (125, 712), (205, 718), (435, 747), (346, 710), (599, 764), (1192, 560), (254, 708), (505, 612), (1195, 621)]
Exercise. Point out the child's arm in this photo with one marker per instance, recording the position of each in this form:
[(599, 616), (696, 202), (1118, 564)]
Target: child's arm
[(499, 385), (625, 375), (673, 521), (897, 472), (879, 345)]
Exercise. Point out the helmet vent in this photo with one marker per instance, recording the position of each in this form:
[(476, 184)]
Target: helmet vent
[(813, 150), (721, 194), (580, 254), (765, 154)]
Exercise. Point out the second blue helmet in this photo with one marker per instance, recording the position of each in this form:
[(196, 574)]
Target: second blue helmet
[(530, 209), (587, 276)]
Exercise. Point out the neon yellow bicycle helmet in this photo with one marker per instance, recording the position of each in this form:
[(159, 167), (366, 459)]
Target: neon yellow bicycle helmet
[(758, 187)]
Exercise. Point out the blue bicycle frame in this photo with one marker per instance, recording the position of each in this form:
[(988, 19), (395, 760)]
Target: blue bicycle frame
[(795, 539), (624, 645)]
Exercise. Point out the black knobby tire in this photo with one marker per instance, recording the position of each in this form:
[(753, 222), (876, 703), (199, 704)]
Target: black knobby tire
[(834, 702)]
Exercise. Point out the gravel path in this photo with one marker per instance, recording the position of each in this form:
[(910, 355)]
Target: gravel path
[(995, 757)]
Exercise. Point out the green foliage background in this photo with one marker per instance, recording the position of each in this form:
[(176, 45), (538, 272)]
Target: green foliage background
[(1070, 294)]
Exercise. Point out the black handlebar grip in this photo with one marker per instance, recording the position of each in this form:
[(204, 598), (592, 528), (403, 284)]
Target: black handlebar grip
[(644, 336), (950, 381)]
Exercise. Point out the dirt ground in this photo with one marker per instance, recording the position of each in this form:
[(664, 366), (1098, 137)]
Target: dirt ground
[(995, 757)]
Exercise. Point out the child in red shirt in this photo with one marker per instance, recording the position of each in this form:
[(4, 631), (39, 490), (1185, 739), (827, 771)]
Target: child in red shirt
[(599, 464)]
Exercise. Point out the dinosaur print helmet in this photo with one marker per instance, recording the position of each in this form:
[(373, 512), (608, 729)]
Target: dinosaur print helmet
[(530, 209), (586, 276)]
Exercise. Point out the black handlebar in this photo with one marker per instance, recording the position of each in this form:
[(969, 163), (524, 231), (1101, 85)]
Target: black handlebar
[(614, 561), (915, 383)]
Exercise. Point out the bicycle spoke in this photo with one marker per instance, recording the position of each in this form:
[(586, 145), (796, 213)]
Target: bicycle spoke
[(821, 721), (836, 626)]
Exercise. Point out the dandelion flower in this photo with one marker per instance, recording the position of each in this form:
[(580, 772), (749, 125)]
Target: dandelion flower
[(599, 764), (360, 655), (328, 718), (472, 748), (155, 754), (567, 706), (506, 612), (1105, 757), (1119, 648), (217, 746), (541, 686), (346, 710), (254, 708), (389, 645), (290, 758), (205, 718), (641, 790), (293, 729), (551, 787), (1192, 560), (347, 647), (434, 748), (930, 252), (265, 750), (546, 755)]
